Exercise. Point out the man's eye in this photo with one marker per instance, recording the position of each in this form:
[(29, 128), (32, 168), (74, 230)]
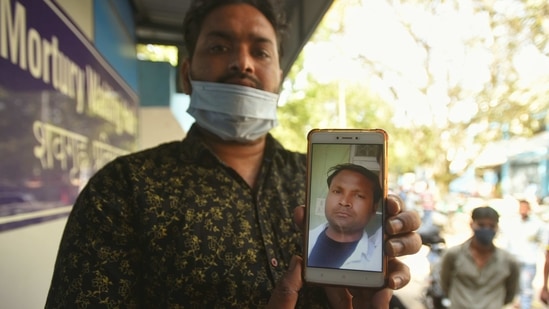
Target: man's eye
[(264, 55), (218, 48)]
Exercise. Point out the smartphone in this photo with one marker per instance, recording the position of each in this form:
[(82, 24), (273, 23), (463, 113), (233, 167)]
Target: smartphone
[(345, 207)]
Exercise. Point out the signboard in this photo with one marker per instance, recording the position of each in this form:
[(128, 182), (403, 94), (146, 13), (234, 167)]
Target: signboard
[(64, 112)]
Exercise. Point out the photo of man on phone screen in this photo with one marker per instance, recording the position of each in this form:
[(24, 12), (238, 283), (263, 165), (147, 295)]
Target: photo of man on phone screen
[(344, 242)]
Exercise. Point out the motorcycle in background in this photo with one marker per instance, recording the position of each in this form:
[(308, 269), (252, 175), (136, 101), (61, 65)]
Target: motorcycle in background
[(433, 296)]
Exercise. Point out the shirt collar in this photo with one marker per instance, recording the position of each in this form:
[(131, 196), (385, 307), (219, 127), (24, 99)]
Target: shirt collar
[(196, 149)]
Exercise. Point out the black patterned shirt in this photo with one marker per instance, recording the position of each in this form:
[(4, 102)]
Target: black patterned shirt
[(173, 227)]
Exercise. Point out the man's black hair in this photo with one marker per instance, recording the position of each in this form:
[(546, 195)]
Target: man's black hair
[(200, 9), (485, 212), (373, 177)]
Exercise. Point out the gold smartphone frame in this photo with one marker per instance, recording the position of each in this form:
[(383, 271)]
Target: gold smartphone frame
[(326, 147)]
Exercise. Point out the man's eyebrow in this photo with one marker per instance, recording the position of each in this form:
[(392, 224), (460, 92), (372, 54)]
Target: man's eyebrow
[(262, 39), (256, 38), (219, 34)]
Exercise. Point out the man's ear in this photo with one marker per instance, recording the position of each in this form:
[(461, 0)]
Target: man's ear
[(185, 71)]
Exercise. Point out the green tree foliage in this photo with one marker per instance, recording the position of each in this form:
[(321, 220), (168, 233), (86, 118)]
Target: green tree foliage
[(493, 90), (317, 106)]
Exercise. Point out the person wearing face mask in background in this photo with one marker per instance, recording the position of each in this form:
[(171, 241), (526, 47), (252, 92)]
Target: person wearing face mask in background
[(476, 274), (544, 293), (211, 221)]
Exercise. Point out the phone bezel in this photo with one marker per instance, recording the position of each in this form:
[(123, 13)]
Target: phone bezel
[(345, 277)]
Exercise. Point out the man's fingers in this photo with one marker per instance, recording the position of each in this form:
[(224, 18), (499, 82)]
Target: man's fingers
[(358, 298), (299, 217), (339, 298), (394, 205), (399, 275), (372, 299), (401, 226), (544, 296), (286, 291), (405, 244), (404, 221)]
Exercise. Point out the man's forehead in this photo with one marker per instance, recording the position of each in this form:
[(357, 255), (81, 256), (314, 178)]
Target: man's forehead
[(345, 173), (239, 18)]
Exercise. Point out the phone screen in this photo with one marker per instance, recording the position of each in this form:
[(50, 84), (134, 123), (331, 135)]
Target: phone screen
[(345, 207)]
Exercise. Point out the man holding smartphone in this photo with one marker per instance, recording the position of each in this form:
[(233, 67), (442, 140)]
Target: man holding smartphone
[(210, 221), (351, 203)]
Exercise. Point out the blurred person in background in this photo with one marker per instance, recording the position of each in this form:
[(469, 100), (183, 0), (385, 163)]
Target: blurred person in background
[(523, 237), (476, 274), (427, 201), (544, 294)]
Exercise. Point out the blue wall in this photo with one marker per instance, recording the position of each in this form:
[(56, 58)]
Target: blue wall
[(156, 83), (115, 37)]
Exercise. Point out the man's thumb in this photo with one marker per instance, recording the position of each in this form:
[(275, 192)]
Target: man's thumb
[(287, 290)]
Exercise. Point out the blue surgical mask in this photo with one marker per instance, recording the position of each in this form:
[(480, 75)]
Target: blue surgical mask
[(485, 236), (233, 112)]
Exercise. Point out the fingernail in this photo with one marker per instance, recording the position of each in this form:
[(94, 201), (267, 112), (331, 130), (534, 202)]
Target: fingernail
[(396, 225), (398, 282), (397, 247)]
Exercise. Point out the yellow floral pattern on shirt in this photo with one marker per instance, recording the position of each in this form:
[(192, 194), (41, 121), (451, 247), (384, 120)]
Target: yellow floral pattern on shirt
[(172, 227)]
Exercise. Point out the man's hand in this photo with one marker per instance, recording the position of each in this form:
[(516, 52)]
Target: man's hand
[(401, 240), (287, 289), (544, 296)]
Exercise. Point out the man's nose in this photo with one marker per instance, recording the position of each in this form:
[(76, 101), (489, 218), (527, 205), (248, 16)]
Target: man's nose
[(241, 61), (345, 200)]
